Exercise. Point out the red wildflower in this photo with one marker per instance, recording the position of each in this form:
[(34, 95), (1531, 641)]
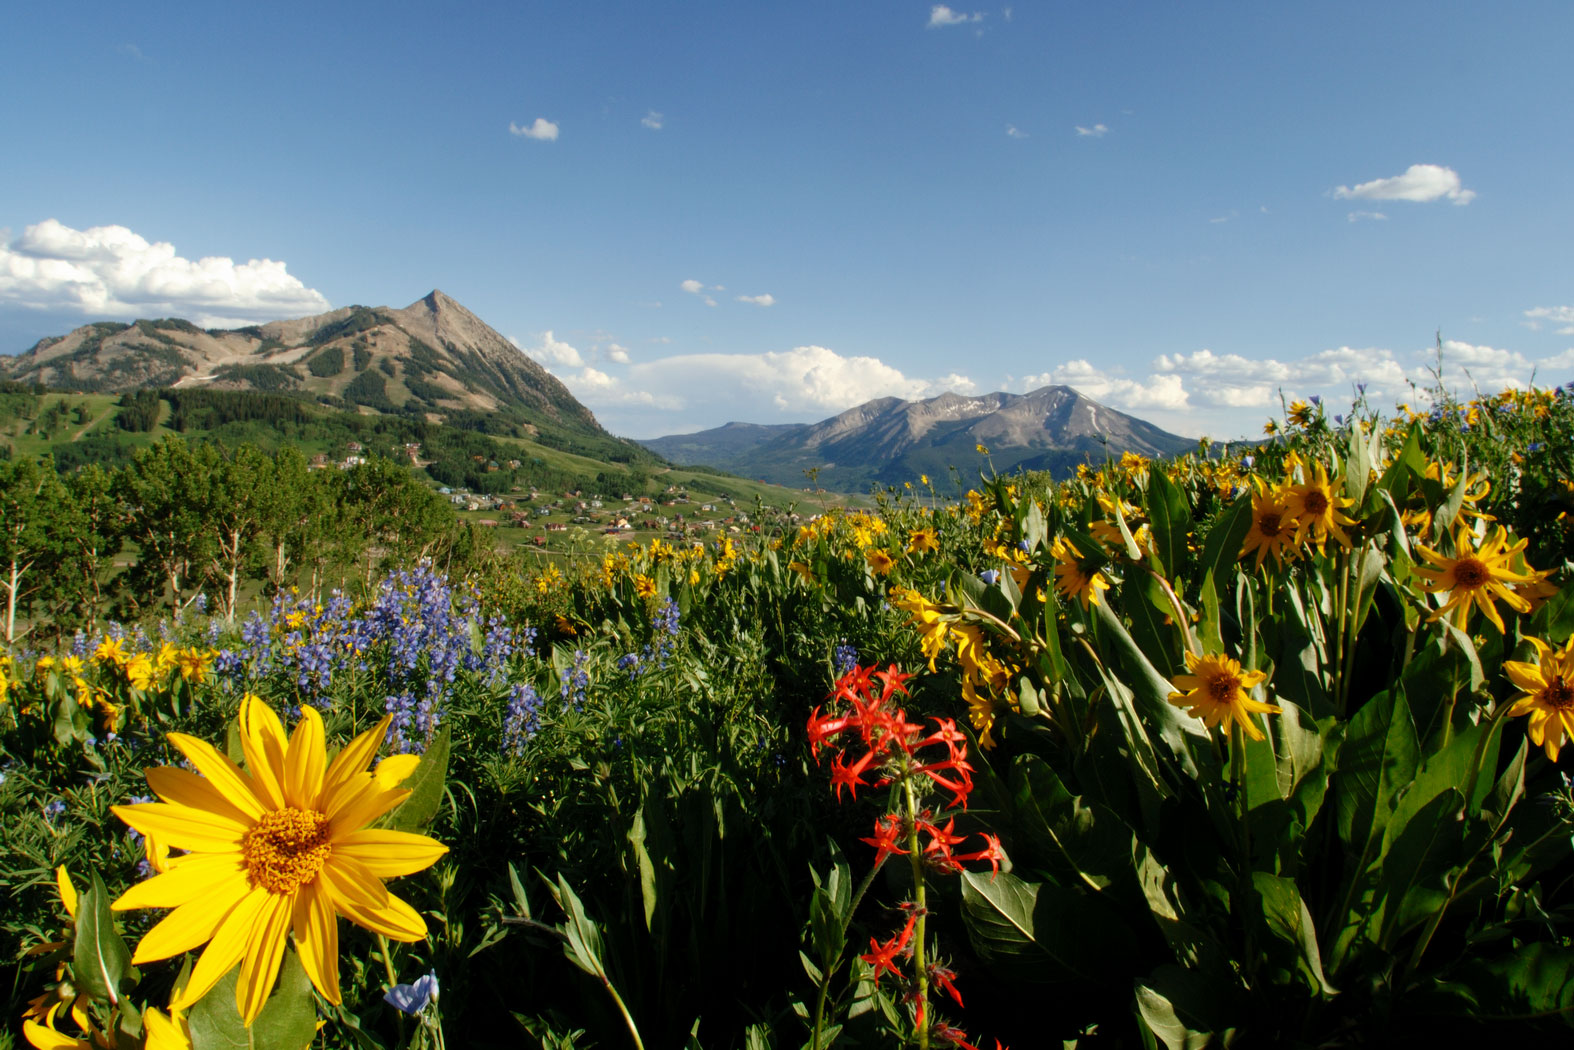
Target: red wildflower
[(885, 841), (991, 852), (940, 842), (945, 978), (882, 956), (851, 776), (946, 1035)]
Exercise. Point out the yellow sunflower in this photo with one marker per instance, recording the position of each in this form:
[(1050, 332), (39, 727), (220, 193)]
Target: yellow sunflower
[(1300, 414), (1475, 575), (1547, 694), (924, 615), (283, 846), (1273, 526), (879, 561), (1318, 512), (1215, 691), (1071, 578), (923, 541), (644, 586)]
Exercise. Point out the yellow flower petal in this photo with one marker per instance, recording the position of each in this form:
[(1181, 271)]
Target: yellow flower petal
[(185, 788), (259, 966), (221, 772), (225, 949), (182, 827), (194, 876), (389, 854), (360, 809), (190, 924), (355, 757), (303, 769), (68, 892), (262, 739), (392, 918), (395, 770), (317, 939)]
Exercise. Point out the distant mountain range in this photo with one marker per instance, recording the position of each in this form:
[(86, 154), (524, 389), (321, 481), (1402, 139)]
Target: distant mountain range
[(434, 357), (889, 440)]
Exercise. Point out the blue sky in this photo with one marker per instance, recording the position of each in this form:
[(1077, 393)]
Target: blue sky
[(699, 212)]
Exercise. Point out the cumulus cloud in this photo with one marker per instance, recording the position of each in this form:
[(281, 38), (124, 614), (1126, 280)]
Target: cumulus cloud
[(543, 130), (941, 15), (700, 289), (1563, 315), (1161, 392), (109, 271), (758, 300), (652, 120), (1097, 131), (618, 355), (553, 352), (1420, 183), (689, 390)]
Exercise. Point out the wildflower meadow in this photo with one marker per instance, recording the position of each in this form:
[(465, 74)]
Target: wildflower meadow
[(1258, 746)]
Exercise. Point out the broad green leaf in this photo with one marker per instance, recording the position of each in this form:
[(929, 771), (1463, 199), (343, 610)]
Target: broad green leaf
[(584, 947), (1286, 916), (426, 786), (1169, 517), (100, 959), (1171, 1003), (1036, 933), (1535, 980), (288, 1020), (1223, 546), (1377, 761), (1410, 887), (1081, 840)]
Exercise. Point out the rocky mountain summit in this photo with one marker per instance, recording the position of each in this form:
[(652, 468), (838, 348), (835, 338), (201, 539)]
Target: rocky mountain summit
[(433, 356), (890, 440)]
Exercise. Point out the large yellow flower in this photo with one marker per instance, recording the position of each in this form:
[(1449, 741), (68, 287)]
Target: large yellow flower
[(1215, 691), (1273, 526), (1547, 694), (1475, 575), (1318, 511), (284, 846), (1072, 579)]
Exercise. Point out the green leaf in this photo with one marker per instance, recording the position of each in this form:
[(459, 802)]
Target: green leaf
[(651, 837), (1170, 519), (100, 959), (426, 786), (1038, 932), (1171, 1003), (1081, 840), (1223, 546), (583, 948), (288, 1020), (1409, 890), (1536, 980), (1377, 762), (1286, 916)]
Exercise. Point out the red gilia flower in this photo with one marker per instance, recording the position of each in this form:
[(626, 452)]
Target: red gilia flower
[(850, 776), (991, 852), (945, 978), (885, 841), (946, 1035), (823, 728), (940, 842), (883, 956)]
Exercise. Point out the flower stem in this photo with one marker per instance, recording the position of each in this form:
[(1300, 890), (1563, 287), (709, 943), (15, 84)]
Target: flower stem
[(920, 964)]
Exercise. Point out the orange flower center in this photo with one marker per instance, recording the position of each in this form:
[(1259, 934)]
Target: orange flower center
[(1559, 693), (1269, 524), (1316, 503), (1471, 573), (1222, 687), (286, 849)]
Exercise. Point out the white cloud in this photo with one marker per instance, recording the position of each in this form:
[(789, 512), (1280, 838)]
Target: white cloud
[(758, 300), (543, 130), (618, 355), (1563, 315), (652, 120), (1161, 391), (1375, 216), (941, 15), (700, 289), (1420, 183), (1013, 131), (1097, 131), (551, 351), (109, 271)]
